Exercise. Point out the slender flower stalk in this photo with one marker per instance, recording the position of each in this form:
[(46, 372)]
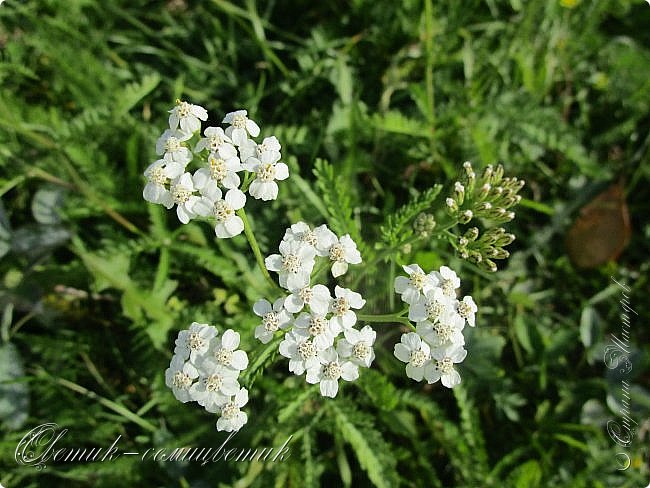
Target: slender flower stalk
[(255, 248)]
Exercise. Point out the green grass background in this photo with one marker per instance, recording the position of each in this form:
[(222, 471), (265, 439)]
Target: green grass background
[(395, 95)]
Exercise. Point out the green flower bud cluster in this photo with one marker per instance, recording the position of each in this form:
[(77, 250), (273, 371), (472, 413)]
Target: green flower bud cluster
[(490, 198), (482, 250), (424, 224)]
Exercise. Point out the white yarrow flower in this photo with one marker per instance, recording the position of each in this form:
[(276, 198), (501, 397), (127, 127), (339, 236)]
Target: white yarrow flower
[(341, 253), (180, 377), (249, 149), (328, 372), (188, 116), (158, 176), (264, 187), (447, 280), (443, 332), (415, 352), (170, 145), (318, 328), (182, 190), (194, 342), (240, 125), (232, 418), (294, 264), (417, 284), (467, 309), (274, 318), (301, 352), (433, 305), (442, 366), (300, 232), (345, 300), (228, 224), (223, 351), (318, 299), (223, 171), (357, 346), (214, 140), (215, 387)]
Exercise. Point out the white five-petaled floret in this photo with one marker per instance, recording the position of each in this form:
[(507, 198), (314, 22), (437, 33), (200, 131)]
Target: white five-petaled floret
[(294, 264), (321, 331), (341, 307), (158, 174), (240, 126), (180, 377), (222, 208), (187, 116), (232, 418), (215, 387), (343, 252), (415, 352), (170, 145), (222, 171), (442, 366), (467, 309), (274, 318), (249, 149), (183, 194), (357, 346), (317, 298), (448, 329), (215, 139), (448, 280), (194, 342), (266, 170), (330, 370), (431, 306), (301, 352), (224, 351), (416, 285)]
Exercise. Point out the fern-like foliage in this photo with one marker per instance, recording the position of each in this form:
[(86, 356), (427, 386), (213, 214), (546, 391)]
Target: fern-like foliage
[(372, 451), (336, 195), (398, 228)]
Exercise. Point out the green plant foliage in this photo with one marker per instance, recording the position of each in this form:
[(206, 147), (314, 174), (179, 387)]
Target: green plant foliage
[(377, 104)]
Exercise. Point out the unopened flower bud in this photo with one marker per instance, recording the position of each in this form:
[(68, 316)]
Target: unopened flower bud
[(498, 173), (424, 224), (466, 216), (500, 253), (484, 191), (452, 206), (487, 174), (489, 265), (470, 177), (471, 234), (459, 193), (483, 208)]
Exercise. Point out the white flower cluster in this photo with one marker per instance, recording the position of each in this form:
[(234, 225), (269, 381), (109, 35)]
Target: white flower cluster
[(313, 344), (214, 189), (205, 369), (437, 344)]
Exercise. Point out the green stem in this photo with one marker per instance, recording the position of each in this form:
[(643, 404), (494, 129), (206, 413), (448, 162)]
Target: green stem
[(389, 318), (323, 264), (383, 254), (255, 248)]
